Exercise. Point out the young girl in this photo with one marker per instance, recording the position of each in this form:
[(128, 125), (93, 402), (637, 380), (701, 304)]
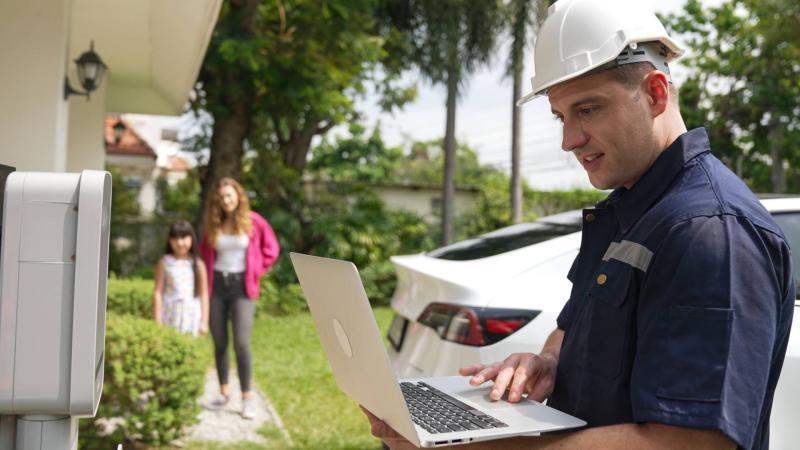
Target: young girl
[(180, 299)]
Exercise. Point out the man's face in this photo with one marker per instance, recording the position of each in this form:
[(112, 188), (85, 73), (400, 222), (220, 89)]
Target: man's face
[(608, 127)]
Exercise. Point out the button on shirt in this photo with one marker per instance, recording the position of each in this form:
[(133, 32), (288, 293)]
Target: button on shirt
[(681, 303)]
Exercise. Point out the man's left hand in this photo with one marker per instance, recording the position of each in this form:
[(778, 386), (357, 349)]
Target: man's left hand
[(384, 432)]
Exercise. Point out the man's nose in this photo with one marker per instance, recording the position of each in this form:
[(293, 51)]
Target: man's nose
[(573, 136)]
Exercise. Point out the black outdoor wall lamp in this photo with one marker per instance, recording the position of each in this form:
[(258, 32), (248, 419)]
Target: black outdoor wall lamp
[(90, 73), (119, 129)]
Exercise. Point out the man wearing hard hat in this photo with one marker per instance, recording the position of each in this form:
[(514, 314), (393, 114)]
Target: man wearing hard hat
[(677, 325)]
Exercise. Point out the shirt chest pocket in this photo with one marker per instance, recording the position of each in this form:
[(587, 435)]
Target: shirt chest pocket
[(611, 325)]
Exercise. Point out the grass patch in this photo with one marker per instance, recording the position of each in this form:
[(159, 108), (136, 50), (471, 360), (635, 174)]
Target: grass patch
[(291, 368)]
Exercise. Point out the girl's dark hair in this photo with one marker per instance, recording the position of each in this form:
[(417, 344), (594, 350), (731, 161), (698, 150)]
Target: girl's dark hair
[(179, 229)]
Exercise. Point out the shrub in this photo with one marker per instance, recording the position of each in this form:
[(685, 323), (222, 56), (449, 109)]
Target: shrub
[(280, 300), (544, 203), (379, 282), (132, 296), (153, 377)]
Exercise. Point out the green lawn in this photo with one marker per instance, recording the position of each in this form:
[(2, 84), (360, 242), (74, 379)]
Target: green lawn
[(291, 369)]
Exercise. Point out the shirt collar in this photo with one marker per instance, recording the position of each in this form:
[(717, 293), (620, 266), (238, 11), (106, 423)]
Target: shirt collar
[(629, 204)]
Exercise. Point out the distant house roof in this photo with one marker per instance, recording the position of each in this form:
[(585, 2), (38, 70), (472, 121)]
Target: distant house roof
[(130, 143), (177, 164)]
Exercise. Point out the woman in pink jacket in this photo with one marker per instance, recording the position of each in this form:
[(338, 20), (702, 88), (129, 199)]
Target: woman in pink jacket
[(238, 246)]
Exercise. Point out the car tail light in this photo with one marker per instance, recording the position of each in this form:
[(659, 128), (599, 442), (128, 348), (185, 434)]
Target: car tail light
[(474, 326)]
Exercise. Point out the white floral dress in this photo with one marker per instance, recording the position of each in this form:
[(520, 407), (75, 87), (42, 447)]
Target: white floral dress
[(181, 309)]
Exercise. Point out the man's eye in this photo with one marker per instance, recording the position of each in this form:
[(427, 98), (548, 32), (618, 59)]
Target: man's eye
[(586, 111)]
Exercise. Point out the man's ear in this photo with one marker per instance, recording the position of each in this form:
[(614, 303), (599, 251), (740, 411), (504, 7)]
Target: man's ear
[(656, 86)]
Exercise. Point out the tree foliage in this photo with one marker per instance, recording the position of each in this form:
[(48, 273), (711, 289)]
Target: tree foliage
[(279, 72), (745, 85), (124, 209), (356, 158), (181, 200), (449, 39), (361, 160)]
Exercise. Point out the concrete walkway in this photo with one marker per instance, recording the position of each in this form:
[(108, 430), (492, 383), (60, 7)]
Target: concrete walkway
[(225, 424)]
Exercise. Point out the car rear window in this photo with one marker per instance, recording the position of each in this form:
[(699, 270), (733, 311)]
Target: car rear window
[(511, 238), (790, 224)]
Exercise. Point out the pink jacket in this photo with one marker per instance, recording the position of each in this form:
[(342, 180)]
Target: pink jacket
[(262, 251)]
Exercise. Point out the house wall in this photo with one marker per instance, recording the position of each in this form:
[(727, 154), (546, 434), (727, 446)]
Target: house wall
[(86, 144), (143, 170), (33, 113), (425, 202)]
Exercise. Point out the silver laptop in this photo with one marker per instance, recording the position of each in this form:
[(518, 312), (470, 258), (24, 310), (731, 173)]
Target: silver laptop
[(429, 412)]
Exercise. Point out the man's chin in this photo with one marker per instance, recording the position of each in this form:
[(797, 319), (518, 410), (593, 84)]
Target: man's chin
[(599, 184)]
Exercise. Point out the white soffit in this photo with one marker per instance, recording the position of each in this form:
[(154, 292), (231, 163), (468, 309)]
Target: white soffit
[(153, 49)]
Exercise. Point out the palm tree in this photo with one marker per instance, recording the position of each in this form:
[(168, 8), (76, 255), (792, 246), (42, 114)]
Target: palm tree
[(449, 39), (524, 16)]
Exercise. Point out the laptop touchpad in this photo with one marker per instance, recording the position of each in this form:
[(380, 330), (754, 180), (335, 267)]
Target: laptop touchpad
[(480, 396)]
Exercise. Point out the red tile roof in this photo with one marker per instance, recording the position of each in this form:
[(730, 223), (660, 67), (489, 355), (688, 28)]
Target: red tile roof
[(177, 164), (130, 144)]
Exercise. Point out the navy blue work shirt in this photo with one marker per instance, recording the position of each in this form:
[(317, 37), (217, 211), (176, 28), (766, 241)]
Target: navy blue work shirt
[(681, 303)]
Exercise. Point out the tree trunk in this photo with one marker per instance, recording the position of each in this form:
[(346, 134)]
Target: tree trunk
[(516, 182), (522, 10), (227, 149), (232, 126), (449, 188), (295, 150), (775, 139)]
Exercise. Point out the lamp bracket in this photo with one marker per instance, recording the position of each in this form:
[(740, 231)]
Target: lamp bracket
[(69, 90)]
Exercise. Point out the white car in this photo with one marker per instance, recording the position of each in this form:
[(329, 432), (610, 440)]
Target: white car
[(479, 300)]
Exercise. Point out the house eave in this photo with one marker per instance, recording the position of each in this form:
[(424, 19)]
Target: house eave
[(153, 49)]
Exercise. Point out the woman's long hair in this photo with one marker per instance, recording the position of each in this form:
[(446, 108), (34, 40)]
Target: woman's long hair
[(179, 229), (214, 214)]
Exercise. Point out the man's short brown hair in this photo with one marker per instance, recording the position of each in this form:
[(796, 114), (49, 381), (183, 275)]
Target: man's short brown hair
[(631, 75)]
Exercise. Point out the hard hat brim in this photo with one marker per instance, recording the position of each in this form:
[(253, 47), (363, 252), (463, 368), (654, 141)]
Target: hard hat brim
[(527, 98)]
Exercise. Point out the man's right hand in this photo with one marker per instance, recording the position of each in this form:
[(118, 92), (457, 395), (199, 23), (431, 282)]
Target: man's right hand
[(519, 373)]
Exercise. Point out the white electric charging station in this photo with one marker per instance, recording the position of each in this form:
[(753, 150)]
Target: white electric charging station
[(54, 238)]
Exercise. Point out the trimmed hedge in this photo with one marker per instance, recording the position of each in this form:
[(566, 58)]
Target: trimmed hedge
[(132, 296), (153, 378)]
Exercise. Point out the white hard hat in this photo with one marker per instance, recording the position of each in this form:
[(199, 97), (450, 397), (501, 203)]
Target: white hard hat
[(579, 36)]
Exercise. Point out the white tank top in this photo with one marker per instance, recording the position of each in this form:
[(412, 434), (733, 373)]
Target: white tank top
[(231, 252)]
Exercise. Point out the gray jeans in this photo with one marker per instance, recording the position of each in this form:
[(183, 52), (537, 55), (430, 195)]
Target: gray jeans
[(230, 301)]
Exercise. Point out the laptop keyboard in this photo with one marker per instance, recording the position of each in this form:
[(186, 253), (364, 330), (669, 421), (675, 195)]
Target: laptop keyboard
[(438, 412)]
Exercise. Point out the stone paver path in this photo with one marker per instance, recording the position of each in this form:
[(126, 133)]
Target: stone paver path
[(225, 424)]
